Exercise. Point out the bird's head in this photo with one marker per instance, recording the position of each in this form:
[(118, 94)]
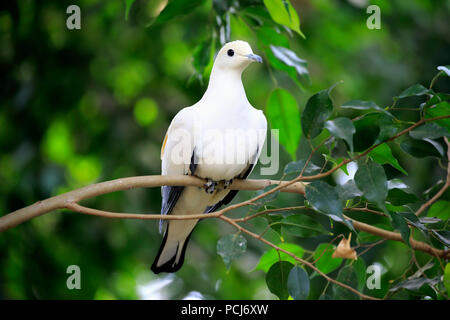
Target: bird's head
[(236, 55)]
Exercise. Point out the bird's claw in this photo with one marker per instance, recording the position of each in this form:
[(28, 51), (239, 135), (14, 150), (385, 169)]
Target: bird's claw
[(227, 183), (210, 186)]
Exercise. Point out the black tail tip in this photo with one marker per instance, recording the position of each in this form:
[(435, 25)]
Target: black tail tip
[(169, 267)]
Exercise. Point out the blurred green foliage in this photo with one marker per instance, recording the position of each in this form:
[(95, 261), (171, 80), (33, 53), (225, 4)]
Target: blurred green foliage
[(82, 106)]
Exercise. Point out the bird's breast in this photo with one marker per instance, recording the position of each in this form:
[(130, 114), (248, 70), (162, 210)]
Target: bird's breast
[(223, 149)]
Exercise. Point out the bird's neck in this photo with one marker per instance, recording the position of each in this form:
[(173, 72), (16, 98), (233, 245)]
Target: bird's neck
[(226, 85)]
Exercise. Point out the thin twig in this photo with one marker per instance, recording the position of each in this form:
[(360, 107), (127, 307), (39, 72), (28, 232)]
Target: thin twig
[(257, 214), (379, 213), (326, 174), (324, 250), (390, 235), (444, 187), (309, 264), (372, 245)]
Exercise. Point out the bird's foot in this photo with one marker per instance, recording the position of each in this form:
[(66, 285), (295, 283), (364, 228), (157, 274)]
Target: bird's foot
[(227, 183), (210, 186)]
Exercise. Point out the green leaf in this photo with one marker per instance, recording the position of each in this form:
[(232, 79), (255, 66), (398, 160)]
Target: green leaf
[(363, 105), (277, 278), (429, 193), (430, 220), (443, 236), (422, 148), (398, 197), (348, 276), (231, 247), (429, 130), (435, 99), (318, 109), (271, 256), (439, 110), (258, 13), (283, 114), (270, 36), (414, 284), (447, 277), (283, 13), (393, 208), (399, 223), (296, 167), (383, 155), (336, 161), (177, 8), (440, 209), (414, 90), (280, 65), (326, 262), (221, 7), (418, 223), (397, 183), (445, 69), (269, 197), (301, 225), (371, 180), (290, 58), (364, 237), (203, 56), (274, 220), (128, 4), (325, 199), (298, 283), (361, 272), (224, 25), (348, 190), (389, 126), (342, 128), (367, 130)]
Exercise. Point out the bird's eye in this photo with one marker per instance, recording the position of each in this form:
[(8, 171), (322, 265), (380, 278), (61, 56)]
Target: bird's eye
[(230, 52)]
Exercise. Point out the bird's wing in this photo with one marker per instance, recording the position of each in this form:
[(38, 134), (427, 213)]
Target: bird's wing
[(261, 125), (177, 155), (178, 144)]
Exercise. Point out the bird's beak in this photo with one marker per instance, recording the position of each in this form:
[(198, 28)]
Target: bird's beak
[(254, 57)]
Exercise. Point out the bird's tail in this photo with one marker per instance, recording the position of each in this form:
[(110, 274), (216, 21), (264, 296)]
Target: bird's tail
[(170, 256)]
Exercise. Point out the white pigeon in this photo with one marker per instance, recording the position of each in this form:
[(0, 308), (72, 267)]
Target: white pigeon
[(218, 139)]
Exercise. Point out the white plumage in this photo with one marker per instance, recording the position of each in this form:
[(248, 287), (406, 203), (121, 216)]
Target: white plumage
[(218, 138)]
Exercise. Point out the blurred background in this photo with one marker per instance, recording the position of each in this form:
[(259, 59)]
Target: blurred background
[(84, 106)]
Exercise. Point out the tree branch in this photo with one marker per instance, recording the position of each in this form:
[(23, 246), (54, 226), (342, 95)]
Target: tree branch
[(69, 199), (390, 235), (360, 226), (64, 200)]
